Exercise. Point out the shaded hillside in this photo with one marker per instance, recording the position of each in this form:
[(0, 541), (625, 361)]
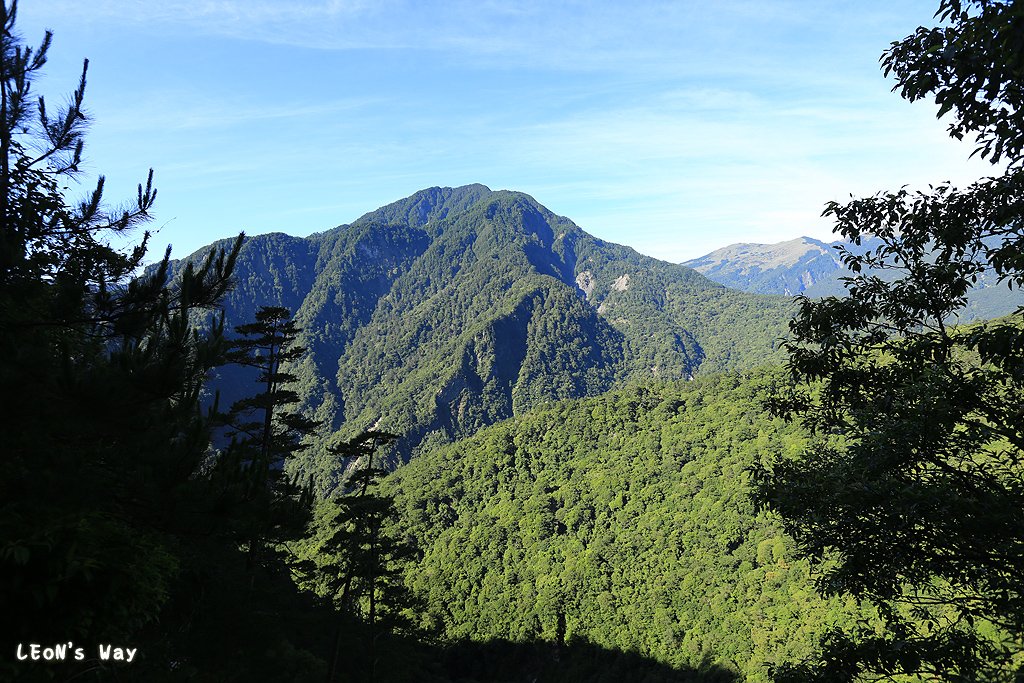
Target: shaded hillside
[(813, 268), (502, 661), (458, 307), (623, 520)]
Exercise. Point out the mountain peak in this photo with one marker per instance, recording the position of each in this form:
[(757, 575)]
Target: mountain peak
[(458, 307), (432, 203), (813, 268), (747, 257), (789, 267)]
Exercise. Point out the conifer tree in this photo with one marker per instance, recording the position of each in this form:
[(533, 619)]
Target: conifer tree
[(265, 434), (104, 442), (357, 563)]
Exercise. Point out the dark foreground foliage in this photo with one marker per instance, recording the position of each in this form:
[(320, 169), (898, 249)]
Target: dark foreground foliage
[(112, 529), (917, 508)]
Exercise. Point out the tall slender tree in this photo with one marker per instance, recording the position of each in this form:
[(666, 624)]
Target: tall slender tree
[(356, 562), (265, 433)]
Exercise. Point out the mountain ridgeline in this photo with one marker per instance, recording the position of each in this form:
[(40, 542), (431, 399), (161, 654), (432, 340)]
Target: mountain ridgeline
[(804, 265), (814, 268), (455, 308)]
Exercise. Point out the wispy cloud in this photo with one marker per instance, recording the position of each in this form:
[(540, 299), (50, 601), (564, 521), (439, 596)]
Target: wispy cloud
[(673, 126), (737, 36), (195, 110)]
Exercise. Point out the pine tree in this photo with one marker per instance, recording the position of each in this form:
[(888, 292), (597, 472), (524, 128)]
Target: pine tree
[(265, 434), (104, 442), (357, 563)]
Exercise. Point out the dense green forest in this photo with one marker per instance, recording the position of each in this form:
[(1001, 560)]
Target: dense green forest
[(455, 308), (623, 520), (462, 440)]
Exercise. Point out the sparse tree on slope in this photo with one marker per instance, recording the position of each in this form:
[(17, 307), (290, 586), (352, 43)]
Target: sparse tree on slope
[(356, 563), (265, 434)]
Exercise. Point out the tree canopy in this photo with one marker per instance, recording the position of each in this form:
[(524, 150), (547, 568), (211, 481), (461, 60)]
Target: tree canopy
[(912, 496), (111, 530)]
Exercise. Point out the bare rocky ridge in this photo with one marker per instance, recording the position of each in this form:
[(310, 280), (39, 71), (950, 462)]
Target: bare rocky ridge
[(813, 268)]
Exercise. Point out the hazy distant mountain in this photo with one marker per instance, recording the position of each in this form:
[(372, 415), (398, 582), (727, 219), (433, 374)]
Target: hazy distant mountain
[(801, 265), (812, 267), (458, 307)]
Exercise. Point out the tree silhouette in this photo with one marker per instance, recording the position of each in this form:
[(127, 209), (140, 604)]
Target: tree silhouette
[(357, 561), (912, 497), (264, 434), (104, 442)]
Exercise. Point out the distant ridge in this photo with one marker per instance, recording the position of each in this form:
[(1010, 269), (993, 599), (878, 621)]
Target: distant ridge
[(811, 267), (789, 268)]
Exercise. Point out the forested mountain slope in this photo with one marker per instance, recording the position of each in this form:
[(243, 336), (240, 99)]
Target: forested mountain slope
[(623, 520), (458, 307)]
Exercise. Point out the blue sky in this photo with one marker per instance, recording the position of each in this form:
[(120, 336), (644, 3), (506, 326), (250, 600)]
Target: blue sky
[(673, 127)]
